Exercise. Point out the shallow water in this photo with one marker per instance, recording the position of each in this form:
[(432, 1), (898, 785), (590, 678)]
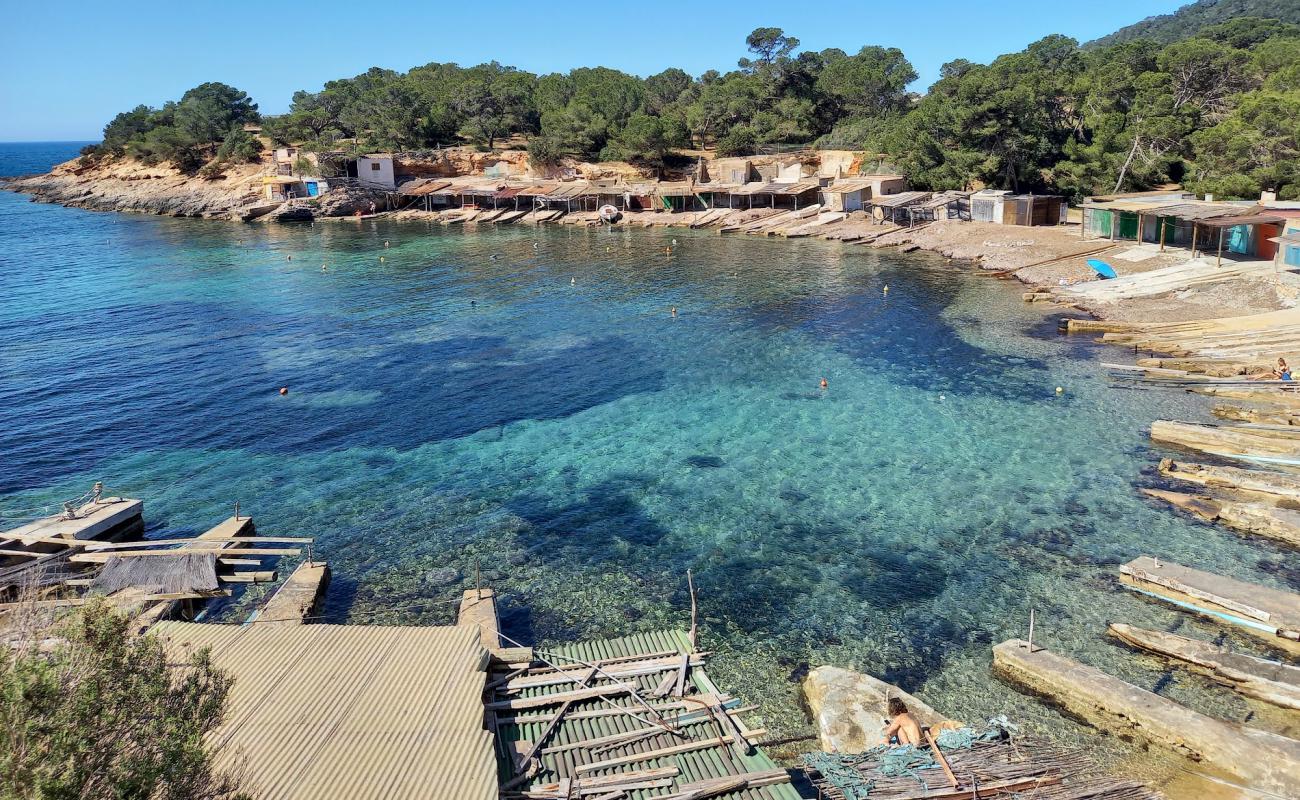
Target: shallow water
[(521, 403)]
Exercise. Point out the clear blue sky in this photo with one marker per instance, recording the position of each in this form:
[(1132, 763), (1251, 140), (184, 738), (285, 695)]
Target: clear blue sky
[(68, 67)]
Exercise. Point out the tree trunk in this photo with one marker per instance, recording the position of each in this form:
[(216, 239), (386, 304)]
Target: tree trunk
[(1137, 138)]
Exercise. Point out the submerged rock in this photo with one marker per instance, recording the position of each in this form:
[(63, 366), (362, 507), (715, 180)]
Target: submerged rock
[(850, 708), (442, 576), (705, 462)]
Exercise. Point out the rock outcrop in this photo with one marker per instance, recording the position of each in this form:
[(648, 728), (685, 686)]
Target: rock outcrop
[(850, 708), (127, 185)]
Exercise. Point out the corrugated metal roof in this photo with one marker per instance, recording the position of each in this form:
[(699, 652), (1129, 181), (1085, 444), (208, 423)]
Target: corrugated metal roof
[(898, 200), (564, 751), (793, 188), (1244, 219), (1193, 211), (362, 712)]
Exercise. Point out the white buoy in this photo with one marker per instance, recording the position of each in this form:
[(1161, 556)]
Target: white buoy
[(1059, 390)]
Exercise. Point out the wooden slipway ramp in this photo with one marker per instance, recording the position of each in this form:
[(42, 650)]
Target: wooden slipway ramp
[(1270, 681), (1275, 487), (1256, 758), (1265, 444), (1261, 519), (1198, 272), (1271, 614)]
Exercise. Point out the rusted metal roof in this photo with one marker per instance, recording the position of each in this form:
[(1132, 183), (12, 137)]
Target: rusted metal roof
[(599, 731), (362, 712), (675, 189), (422, 186), (1244, 219), (943, 199)]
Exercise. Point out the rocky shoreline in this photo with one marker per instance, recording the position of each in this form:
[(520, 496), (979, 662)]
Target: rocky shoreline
[(1040, 257), (134, 187)]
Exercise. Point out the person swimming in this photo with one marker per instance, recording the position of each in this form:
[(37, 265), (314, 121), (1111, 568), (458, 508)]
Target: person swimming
[(902, 728)]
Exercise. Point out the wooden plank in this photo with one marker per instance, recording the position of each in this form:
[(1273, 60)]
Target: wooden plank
[(938, 756), (1270, 681), (205, 540), (609, 672), (1278, 609), (520, 703), (248, 577), (665, 751), (99, 558), (727, 784)]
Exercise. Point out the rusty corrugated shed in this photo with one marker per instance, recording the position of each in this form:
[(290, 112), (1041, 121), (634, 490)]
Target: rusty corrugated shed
[(362, 712), (564, 753)]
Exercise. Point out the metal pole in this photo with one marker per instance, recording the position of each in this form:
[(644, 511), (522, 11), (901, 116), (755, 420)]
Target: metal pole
[(236, 510)]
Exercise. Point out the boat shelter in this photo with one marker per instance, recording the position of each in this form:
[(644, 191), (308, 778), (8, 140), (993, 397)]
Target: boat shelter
[(1250, 235), (945, 205), (896, 208)]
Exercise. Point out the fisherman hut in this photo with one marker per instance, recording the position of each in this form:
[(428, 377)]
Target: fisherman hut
[(896, 208), (986, 205), (1033, 209)]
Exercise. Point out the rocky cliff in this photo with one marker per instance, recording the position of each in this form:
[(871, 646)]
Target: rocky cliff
[(126, 185)]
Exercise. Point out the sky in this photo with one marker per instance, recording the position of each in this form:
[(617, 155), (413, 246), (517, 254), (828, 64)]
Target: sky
[(67, 67)]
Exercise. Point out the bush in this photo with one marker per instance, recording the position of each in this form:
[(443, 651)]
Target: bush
[(239, 145), (738, 141), (101, 716), (545, 151)]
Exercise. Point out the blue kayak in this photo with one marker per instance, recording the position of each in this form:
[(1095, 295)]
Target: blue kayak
[(1102, 268)]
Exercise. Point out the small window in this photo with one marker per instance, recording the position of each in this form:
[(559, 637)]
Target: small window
[(374, 165)]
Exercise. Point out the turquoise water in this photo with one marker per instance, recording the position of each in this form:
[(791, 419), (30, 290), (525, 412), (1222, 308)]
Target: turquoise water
[(522, 401)]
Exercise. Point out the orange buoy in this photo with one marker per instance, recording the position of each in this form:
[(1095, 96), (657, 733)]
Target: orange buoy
[(284, 390)]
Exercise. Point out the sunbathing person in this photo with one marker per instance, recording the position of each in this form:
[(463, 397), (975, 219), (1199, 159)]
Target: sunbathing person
[(1279, 373), (902, 728)]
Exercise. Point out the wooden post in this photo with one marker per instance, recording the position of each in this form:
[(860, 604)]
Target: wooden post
[(1218, 262), (1030, 641), (1083, 221), (1193, 238), (690, 584), (1163, 222), (943, 762), (1114, 223)]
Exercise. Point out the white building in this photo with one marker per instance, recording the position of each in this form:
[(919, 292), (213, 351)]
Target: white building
[(377, 170)]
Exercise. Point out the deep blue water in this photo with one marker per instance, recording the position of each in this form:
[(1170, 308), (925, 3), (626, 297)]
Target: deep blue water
[(522, 401), (31, 158)]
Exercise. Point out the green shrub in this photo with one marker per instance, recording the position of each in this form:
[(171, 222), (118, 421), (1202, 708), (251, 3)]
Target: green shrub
[(102, 716)]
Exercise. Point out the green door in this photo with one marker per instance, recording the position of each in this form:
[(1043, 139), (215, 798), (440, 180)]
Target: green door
[(1128, 225)]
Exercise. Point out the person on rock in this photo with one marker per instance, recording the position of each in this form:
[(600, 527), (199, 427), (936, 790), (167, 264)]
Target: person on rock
[(902, 728)]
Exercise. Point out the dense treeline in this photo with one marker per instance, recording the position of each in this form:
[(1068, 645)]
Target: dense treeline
[(1219, 112), (1194, 17)]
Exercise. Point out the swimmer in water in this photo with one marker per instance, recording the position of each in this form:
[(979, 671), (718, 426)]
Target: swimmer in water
[(573, 281), (825, 385), (673, 311), (534, 245), (496, 256), (385, 243)]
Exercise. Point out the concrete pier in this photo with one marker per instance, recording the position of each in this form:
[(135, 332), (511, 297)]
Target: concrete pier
[(1270, 614), (295, 601), (1255, 758), (108, 517)]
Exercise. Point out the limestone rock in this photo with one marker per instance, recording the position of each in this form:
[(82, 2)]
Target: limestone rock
[(850, 708)]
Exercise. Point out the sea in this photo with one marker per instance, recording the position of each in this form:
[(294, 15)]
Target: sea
[(521, 408)]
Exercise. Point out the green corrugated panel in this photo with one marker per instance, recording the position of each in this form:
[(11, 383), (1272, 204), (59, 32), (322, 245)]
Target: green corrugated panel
[(696, 765)]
